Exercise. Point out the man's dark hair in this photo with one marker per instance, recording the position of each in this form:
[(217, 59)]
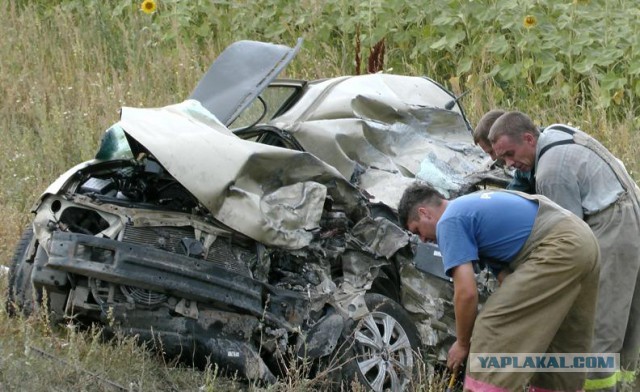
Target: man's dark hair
[(481, 133), (514, 125), (416, 194)]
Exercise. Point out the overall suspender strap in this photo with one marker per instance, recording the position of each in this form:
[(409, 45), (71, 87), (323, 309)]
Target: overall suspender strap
[(558, 143)]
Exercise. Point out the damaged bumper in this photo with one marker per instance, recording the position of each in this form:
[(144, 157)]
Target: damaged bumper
[(175, 275)]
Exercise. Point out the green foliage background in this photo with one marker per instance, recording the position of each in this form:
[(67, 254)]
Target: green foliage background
[(67, 66), (575, 50)]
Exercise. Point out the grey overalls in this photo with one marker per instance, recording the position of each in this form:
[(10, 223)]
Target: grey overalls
[(617, 227), (547, 304)]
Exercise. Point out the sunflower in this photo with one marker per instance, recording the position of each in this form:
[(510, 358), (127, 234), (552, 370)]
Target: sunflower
[(148, 6), (529, 21), (617, 97)]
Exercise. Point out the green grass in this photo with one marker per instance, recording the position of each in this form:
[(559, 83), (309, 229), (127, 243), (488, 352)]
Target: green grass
[(66, 67)]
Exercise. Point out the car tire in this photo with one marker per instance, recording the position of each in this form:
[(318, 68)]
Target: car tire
[(384, 347), (20, 297)]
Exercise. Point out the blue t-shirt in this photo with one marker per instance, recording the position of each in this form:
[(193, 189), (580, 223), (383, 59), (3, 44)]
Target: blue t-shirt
[(487, 225)]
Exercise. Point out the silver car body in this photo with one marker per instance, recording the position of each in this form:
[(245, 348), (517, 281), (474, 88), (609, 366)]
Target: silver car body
[(173, 188)]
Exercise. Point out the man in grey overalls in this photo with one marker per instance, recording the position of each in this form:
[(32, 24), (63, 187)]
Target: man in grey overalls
[(577, 172)]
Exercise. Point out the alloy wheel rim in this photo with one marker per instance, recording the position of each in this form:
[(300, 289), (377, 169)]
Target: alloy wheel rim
[(384, 352)]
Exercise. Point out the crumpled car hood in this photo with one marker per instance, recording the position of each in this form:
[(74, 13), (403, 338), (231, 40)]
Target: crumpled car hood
[(383, 131), (273, 195)]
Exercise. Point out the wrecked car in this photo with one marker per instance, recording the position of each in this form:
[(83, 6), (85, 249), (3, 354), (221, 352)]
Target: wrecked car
[(255, 222)]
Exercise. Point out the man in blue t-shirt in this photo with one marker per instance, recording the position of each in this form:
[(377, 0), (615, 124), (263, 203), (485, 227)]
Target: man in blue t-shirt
[(547, 262)]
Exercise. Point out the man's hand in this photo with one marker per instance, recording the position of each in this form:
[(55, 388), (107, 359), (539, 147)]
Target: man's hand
[(457, 355)]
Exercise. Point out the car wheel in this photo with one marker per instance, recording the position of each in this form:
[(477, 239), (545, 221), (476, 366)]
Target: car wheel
[(20, 295), (385, 346)]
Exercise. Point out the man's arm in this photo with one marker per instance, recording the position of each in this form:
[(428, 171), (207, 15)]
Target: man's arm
[(465, 301), (557, 180)]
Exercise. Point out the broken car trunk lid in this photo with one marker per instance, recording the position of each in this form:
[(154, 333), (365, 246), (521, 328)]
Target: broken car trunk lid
[(239, 74)]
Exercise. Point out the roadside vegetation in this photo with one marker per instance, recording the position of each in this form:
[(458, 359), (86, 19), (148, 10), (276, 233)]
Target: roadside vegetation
[(67, 66)]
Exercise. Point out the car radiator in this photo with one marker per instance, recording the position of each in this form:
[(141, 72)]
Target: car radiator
[(222, 252)]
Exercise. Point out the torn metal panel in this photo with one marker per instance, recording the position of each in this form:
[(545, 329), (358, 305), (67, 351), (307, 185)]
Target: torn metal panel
[(208, 338), (425, 296), (383, 129), (360, 269), (322, 339), (379, 236), (359, 272), (349, 301), (430, 303), (331, 99), (492, 176), (487, 284)]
